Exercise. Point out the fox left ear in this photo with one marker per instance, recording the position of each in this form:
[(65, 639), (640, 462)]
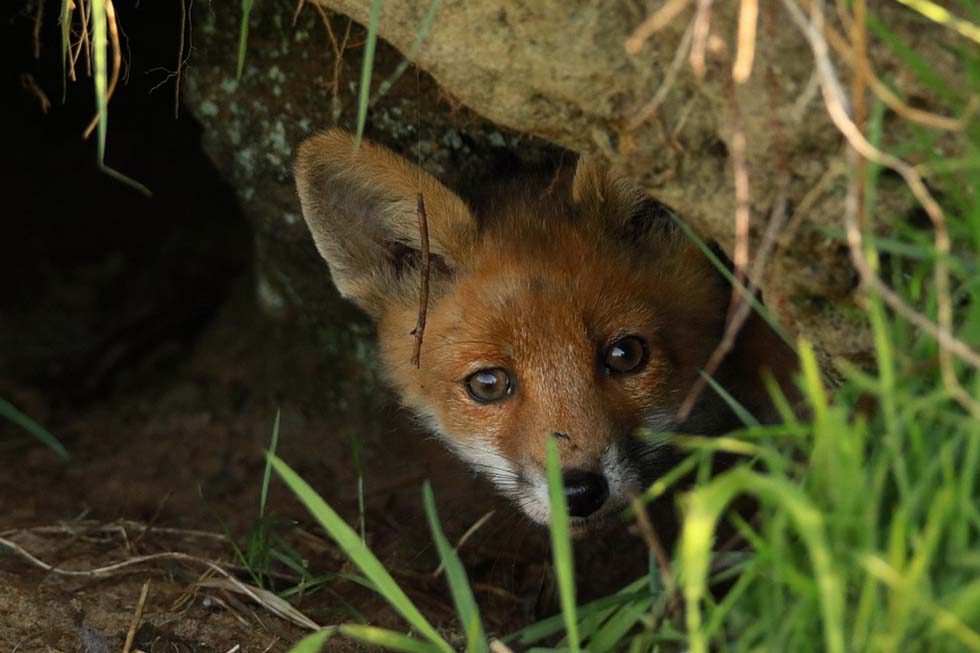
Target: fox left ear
[(619, 204), (361, 205)]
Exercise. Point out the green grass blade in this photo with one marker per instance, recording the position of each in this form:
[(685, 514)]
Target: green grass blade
[(243, 37), (812, 383), (10, 411), (757, 306), (100, 76), (314, 642), (413, 51), (357, 448), (561, 545), (459, 586), (100, 73), (615, 629), (740, 411), (941, 619), (940, 15), (704, 508), (388, 640), (267, 475), (367, 67), (358, 552), (540, 630), (129, 181), (914, 61)]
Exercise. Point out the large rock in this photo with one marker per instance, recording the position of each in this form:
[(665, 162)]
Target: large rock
[(557, 70)]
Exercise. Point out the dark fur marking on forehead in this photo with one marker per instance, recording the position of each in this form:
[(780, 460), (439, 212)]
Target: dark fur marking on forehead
[(405, 258), (648, 217)]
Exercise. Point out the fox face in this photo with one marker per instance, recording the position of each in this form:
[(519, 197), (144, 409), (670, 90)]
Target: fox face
[(572, 308)]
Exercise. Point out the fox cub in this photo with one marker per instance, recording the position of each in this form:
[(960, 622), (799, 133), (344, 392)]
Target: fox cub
[(569, 306)]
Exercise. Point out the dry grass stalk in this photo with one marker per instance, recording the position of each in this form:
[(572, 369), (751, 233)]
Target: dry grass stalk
[(38, 22), (137, 617), (338, 47), (650, 109), (654, 23), (748, 17), (260, 596), (859, 85), (81, 42), (649, 535)]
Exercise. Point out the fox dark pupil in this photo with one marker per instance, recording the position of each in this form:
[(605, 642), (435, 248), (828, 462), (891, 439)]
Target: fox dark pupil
[(625, 355)]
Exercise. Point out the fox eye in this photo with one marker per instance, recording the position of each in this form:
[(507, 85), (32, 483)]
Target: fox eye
[(488, 386), (626, 355)]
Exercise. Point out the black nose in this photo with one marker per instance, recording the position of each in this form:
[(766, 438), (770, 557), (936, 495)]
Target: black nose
[(585, 492)]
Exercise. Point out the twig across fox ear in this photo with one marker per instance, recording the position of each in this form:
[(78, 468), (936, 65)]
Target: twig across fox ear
[(361, 208)]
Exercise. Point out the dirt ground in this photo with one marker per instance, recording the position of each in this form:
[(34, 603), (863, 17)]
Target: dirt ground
[(129, 328)]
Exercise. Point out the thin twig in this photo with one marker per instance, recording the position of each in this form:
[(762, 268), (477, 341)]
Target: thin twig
[(805, 97), (137, 616), (29, 84), (338, 58), (835, 169), (38, 22), (949, 345), (86, 40), (670, 77), (741, 308), (153, 519), (424, 283), (654, 23), (297, 11), (462, 540), (83, 41), (110, 17), (859, 87), (180, 57), (649, 535)]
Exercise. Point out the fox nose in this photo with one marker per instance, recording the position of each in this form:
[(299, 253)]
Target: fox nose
[(584, 491)]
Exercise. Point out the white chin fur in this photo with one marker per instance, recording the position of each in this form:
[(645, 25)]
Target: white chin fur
[(528, 488)]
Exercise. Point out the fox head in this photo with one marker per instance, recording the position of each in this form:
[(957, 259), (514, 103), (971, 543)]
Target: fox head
[(574, 310)]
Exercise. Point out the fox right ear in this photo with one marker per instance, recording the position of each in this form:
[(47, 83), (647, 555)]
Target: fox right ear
[(361, 208)]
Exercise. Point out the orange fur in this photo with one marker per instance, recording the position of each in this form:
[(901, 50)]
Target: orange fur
[(538, 285)]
